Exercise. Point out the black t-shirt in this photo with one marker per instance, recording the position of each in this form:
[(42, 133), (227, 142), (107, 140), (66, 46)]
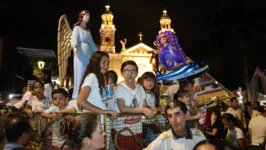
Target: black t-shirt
[(220, 129)]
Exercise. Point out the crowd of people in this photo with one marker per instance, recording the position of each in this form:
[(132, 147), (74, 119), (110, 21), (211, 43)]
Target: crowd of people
[(96, 94), (84, 131), (128, 97)]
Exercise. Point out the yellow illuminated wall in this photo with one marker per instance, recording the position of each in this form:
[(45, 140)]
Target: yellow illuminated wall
[(138, 54)]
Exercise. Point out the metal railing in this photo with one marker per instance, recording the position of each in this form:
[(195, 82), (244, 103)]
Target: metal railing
[(136, 127)]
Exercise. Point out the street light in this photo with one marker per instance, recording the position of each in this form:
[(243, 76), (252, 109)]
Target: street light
[(41, 64)]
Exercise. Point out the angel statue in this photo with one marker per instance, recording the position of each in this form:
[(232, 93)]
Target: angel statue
[(81, 42), (154, 56), (123, 44)]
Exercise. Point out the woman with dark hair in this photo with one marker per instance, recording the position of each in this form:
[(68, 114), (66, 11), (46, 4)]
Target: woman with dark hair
[(216, 129), (84, 132), (83, 47), (234, 135), (148, 82), (150, 132), (112, 81), (212, 144), (92, 93)]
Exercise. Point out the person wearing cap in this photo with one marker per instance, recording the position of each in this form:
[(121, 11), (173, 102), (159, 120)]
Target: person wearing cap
[(179, 137), (257, 130)]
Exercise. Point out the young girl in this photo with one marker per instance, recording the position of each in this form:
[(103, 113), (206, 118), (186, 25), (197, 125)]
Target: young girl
[(44, 75), (92, 93), (112, 79), (60, 105), (112, 105), (131, 98), (148, 82), (234, 135), (38, 103)]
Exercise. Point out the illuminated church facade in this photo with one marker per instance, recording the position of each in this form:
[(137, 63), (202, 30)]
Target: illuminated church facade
[(140, 53)]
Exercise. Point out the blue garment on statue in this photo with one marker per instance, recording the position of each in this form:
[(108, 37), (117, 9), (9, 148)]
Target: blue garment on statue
[(170, 57), (83, 40)]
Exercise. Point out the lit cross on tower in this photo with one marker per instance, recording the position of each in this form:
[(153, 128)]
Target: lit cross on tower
[(140, 36)]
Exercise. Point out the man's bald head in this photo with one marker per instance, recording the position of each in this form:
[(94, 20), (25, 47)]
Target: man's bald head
[(15, 127)]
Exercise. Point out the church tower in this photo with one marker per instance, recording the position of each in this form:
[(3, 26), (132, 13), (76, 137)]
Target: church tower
[(165, 22), (107, 31)]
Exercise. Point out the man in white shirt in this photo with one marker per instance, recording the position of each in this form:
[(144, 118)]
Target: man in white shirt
[(179, 137), (257, 130), (171, 90), (255, 107), (234, 110)]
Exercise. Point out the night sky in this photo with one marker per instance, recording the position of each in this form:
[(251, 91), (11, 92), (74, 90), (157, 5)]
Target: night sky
[(220, 33)]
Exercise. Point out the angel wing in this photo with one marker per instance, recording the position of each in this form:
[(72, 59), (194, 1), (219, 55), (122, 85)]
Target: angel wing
[(63, 46)]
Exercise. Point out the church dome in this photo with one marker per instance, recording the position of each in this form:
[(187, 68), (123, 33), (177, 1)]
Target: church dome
[(165, 16), (107, 10), (165, 22)]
